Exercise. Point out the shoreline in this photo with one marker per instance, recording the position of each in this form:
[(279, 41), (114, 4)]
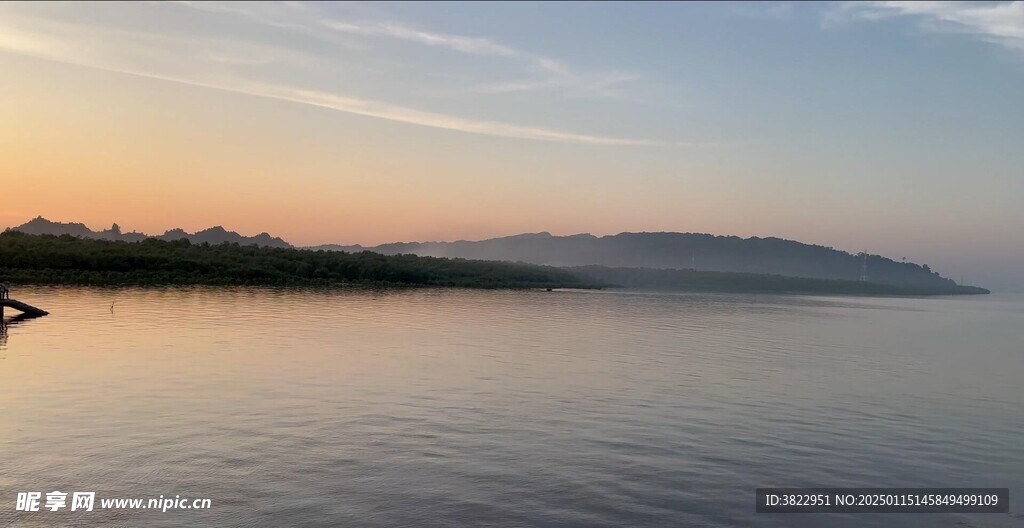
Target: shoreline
[(66, 260), (393, 286)]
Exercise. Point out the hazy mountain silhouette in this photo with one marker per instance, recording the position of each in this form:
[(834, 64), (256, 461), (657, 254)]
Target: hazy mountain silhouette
[(702, 252), (681, 251), (213, 235)]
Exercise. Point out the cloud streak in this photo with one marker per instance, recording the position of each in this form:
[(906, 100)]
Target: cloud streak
[(473, 45), (156, 57), (442, 121), (999, 23), (555, 74)]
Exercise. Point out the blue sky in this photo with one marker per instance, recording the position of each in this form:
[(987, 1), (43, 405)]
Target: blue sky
[(887, 126)]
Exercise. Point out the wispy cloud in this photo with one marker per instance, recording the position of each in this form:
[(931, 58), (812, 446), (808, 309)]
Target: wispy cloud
[(474, 45), (222, 63), (553, 73), (542, 72), (999, 23), (435, 120)]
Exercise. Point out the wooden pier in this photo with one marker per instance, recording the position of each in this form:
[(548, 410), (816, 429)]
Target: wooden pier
[(21, 307)]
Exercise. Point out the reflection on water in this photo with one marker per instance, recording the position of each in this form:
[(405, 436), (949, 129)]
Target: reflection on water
[(6, 322), (453, 408)]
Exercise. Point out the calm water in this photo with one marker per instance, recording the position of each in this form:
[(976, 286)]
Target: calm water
[(451, 408)]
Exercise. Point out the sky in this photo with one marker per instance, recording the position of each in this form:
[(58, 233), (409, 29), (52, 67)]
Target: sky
[(891, 127)]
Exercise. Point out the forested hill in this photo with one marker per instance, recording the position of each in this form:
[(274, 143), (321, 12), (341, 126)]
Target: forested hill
[(701, 252), (47, 259)]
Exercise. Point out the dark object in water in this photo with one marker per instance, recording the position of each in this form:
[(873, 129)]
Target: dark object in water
[(549, 289), (22, 307)]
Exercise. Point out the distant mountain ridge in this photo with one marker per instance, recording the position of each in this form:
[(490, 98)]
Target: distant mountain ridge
[(662, 250), (214, 235), (668, 250)]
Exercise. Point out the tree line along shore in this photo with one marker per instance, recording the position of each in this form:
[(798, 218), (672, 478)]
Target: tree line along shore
[(68, 260)]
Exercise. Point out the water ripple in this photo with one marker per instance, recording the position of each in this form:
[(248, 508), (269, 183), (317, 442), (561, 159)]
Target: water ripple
[(493, 408)]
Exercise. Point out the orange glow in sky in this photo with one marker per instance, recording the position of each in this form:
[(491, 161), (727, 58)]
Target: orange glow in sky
[(353, 123)]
